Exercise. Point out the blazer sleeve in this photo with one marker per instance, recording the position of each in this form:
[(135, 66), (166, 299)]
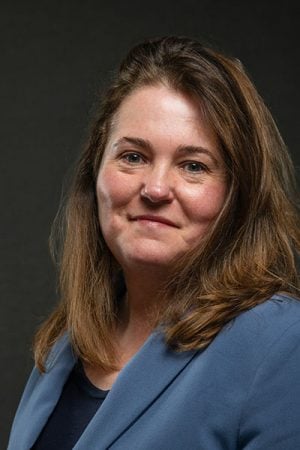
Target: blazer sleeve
[(271, 415)]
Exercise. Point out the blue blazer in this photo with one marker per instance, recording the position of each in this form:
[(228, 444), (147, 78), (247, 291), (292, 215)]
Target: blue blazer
[(242, 392)]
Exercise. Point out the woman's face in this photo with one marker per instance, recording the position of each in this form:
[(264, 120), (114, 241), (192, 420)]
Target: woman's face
[(162, 179)]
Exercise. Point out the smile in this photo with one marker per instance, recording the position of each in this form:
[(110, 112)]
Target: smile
[(152, 219)]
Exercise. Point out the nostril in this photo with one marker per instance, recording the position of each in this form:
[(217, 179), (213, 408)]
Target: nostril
[(156, 193)]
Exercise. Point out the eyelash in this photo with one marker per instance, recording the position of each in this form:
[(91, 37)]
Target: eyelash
[(202, 167)]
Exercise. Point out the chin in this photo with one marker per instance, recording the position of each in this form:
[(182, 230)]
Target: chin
[(157, 261), (147, 259), (135, 254)]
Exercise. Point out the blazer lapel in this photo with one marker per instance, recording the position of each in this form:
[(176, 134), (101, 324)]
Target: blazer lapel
[(139, 383), (41, 395)]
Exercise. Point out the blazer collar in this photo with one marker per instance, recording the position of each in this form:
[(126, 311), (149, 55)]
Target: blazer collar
[(139, 383), (41, 395)]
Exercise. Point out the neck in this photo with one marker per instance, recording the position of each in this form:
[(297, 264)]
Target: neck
[(143, 299)]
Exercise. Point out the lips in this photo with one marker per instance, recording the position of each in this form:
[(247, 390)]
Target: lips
[(154, 218)]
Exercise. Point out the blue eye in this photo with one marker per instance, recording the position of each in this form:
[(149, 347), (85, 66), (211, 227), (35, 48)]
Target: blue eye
[(194, 167), (132, 158)]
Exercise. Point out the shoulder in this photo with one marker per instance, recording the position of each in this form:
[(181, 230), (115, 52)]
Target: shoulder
[(270, 334), (268, 319), (251, 335), (282, 308), (275, 317)]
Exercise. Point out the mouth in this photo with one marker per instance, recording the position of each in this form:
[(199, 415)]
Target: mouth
[(154, 218)]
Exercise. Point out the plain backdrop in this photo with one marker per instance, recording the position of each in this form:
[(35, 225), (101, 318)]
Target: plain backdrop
[(55, 55)]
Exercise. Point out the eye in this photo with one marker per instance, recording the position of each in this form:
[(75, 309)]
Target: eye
[(194, 167), (132, 158)]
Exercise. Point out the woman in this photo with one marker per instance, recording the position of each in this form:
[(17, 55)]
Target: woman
[(179, 324)]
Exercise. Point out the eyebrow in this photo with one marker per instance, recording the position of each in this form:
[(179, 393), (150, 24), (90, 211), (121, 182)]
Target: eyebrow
[(181, 149)]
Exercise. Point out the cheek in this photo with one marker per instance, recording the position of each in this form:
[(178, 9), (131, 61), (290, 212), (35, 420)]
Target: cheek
[(205, 204), (112, 193)]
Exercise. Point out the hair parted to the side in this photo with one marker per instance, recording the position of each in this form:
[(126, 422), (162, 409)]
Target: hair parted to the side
[(248, 254)]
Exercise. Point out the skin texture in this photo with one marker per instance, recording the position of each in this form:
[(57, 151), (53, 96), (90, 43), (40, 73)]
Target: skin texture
[(152, 173)]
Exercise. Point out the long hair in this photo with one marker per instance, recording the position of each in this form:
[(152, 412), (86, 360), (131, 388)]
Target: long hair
[(250, 250)]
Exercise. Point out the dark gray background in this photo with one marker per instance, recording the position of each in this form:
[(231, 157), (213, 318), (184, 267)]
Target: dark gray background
[(54, 56)]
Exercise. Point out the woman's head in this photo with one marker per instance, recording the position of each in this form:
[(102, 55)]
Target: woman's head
[(258, 168), (248, 250)]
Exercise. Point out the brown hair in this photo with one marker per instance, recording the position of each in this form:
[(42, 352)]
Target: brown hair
[(249, 253)]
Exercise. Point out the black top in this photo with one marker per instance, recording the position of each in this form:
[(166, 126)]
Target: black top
[(78, 403)]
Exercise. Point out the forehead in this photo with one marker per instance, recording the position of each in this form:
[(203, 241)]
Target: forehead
[(160, 112)]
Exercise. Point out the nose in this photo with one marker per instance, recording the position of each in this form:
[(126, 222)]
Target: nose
[(157, 186)]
